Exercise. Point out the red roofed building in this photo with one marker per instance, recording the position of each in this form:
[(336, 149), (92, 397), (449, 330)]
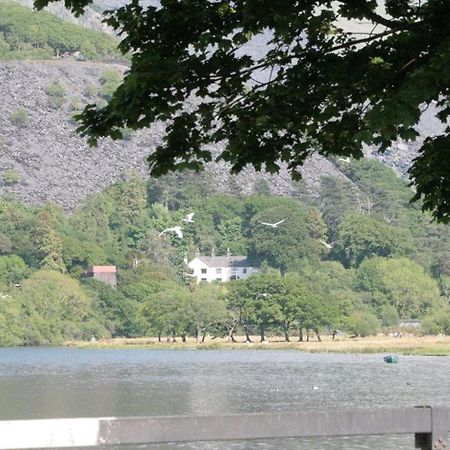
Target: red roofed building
[(107, 274)]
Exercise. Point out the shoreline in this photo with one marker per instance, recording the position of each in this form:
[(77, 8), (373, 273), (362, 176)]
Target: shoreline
[(407, 345)]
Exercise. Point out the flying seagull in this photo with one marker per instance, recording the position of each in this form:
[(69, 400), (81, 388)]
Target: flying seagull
[(327, 245), (188, 218), (176, 230), (273, 225)]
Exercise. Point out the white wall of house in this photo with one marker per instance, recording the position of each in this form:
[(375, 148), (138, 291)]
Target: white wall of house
[(203, 272)]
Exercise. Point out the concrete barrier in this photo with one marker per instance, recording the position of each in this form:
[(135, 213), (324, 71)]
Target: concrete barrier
[(429, 425)]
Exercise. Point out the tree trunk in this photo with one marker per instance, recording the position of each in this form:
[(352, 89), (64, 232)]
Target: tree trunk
[(247, 336), (300, 334), (159, 337), (333, 334), (307, 335), (183, 337), (263, 335), (318, 335), (286, 332), (174, 339), (231, 335), (203, 336)]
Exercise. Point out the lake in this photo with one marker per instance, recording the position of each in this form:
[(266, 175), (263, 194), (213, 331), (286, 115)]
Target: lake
[(40, 383)]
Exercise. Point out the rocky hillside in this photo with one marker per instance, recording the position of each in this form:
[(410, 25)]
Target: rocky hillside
[(49, 162), (42, 159), (38, 143)]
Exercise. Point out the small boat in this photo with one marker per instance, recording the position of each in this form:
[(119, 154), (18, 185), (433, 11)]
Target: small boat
[(390, 359)]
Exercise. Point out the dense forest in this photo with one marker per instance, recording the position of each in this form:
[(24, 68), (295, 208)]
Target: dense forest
[(27, 34), (357, 259)]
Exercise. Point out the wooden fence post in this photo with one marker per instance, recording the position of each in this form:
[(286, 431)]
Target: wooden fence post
[(440, 425)]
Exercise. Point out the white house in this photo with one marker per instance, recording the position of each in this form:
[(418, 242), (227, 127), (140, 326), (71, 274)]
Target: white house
[(220, 268)]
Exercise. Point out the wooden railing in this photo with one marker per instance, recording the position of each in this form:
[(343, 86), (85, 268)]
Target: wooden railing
[(429, 425)]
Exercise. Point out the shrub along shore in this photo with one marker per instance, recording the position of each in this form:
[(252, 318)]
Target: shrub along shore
[(406, 345)]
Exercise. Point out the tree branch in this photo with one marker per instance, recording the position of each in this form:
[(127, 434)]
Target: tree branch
[(361, 41), (376, 18)]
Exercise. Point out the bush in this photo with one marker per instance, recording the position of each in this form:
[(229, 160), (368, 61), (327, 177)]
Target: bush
[(109, 80), (75, 104), (12, 269), (11, 177), (76, 108), (19, 117), (56, 94), (71, 331), (54, 307), (389, 316), (436, 323), (4, 46), (5, 244), (363, 324), (93, 328), (10, 322), (90, 90)]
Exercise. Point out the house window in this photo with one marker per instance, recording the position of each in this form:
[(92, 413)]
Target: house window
[(203, 279), (204, 270), (244, 270), (219, 270), (218, 279)]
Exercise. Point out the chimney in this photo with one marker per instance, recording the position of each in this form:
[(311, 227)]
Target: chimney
[(213, 252), (228, 253)]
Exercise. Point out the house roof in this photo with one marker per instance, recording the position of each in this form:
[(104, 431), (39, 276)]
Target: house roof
[(225, 261)]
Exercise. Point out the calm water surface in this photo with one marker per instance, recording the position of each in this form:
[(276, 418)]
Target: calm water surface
[(63, 382)]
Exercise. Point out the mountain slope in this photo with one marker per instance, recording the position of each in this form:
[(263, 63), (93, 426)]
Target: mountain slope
[(42, 159), (54, 164)]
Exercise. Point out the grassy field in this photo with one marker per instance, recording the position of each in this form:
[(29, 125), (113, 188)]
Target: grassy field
[(406, 345)]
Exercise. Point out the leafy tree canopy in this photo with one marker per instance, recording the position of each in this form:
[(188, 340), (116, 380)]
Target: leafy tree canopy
[(55, 307), (12, 269), (319, 86), (286, 245), (402, 283), (359, 237)]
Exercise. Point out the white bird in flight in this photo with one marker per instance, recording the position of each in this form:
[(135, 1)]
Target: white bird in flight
[(273, 225), (327, 245), (176, 230), (188, 218)]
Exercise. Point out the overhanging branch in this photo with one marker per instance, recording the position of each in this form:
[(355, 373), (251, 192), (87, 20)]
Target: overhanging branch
[(370, 14)]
